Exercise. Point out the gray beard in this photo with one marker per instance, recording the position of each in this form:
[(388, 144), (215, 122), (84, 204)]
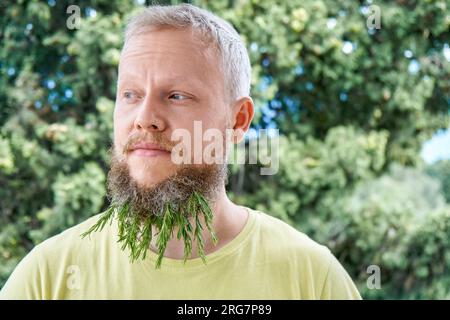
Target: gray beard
[(171, 203), (175, 190)]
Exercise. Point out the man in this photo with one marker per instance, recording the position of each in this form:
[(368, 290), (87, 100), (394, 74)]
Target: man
[(171, 231)]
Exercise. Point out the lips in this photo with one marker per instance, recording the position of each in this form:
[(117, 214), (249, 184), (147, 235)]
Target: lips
[(148, 150)]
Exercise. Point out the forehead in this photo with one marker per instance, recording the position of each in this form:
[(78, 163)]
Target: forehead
[(169, 52)]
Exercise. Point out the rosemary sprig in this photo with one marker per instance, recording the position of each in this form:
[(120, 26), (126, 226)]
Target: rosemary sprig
[(100, 224), (208, 215), (146, 239), (164, 233), (135, 232)]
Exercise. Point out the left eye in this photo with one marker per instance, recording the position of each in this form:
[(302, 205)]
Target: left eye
[(177, 96)]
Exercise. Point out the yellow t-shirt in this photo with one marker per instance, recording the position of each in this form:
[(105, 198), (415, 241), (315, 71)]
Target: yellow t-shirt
[(268, 259)]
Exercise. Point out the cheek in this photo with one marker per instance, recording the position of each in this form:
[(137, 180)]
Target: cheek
[(122, 128), (206, 140)]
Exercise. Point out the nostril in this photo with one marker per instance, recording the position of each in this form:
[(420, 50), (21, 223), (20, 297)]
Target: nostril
[(147, 124)]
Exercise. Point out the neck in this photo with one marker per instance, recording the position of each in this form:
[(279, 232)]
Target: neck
[(228, 221)]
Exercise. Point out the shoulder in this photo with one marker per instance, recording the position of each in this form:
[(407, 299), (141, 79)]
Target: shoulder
[(41, 273), (68, 248), (70, 241), (312, 264), (283, 237)]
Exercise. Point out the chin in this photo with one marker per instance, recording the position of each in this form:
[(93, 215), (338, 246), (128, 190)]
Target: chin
[(148, 173)]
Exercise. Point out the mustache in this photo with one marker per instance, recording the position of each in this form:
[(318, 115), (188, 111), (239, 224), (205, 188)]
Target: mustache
[(154, 138)]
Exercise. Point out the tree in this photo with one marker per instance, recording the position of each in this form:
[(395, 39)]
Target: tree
[(440, 170), (349, 101)]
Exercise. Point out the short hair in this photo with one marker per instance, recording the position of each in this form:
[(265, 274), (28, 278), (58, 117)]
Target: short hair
[(212, 29)]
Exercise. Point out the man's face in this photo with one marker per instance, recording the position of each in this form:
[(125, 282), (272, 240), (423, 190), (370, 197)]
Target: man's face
[(167, 80)]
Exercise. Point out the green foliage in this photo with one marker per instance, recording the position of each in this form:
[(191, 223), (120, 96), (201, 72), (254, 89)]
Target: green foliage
[(76, 196), (136, 232), (427, 273), (313, 173), (378, 225), (300, 62), (352, 124), (441, 171)]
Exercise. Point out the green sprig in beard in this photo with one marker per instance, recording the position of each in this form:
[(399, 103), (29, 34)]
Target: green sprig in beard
[(181, 201)]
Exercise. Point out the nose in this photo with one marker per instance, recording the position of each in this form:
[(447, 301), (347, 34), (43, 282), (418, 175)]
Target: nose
[(149, 117)]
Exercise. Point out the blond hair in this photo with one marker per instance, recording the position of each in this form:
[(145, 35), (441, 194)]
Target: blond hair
[(235, 62)]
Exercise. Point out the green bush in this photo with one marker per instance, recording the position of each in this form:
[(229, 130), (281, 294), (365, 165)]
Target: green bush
[(352, 124)]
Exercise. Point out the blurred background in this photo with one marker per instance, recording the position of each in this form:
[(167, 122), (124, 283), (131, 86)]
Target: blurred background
[(362, 105)]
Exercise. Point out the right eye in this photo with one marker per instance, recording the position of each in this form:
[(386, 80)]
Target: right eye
[(130, 96)]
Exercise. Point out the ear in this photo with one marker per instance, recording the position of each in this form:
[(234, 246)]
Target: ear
[(242, 116)]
